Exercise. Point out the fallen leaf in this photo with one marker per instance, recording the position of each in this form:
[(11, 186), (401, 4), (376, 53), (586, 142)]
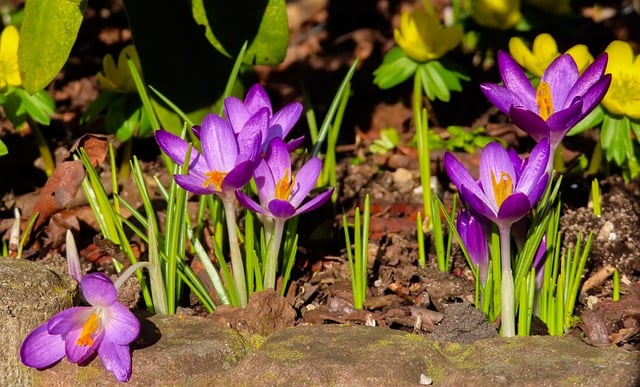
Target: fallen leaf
[(95, 145), (60, 189)]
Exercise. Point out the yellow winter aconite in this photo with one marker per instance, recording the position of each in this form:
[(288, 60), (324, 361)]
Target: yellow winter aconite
[(498, 14), (9, 71), (623, 97), (423, 38), (118, 78), (543, 52)]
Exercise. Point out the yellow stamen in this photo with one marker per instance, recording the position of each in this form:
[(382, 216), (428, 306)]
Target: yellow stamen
[(284, 186), (214, 178), (502, 187), (544, 100), (90, 326)]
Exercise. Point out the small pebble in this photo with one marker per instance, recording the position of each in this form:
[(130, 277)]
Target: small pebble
[(425, 380)]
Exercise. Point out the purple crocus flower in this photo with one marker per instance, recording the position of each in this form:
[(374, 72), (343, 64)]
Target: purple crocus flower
[(226, 162), (562, 98), (280, 122), (281, 194), (473, 235), (106, 326), (539, 261), (505, 192)]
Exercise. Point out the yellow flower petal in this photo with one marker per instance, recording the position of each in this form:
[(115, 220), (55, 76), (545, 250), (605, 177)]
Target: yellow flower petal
[(498, 14), (581, 55), (9, 70), (623, 97), (620, 56)]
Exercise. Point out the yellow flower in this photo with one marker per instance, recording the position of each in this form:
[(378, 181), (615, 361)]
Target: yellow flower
[(423, 38), (623, 97), (543, 52), (118, 78), (9, 71), (498, 14)]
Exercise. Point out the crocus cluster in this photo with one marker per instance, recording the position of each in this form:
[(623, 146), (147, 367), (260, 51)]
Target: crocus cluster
[(248, 143), (106, 327)]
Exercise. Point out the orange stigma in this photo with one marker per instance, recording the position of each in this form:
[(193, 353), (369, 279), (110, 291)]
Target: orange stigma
[(90, 326), (544, 100), (502, 187), (214, 178), (284, 186)]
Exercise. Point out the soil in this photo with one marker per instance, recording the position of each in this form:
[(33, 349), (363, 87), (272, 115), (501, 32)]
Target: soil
[(401, 294)]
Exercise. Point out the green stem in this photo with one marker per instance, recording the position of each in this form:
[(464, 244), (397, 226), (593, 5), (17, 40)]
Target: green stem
[(424, 156), (237, 266), (125, 165), (506, 287), (274, 252), (43, 148)]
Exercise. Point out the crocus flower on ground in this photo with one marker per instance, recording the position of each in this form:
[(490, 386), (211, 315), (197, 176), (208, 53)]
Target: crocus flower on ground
[(474, 239), (226, 162), (106, 327), (562, 98), (280, 122), (9, 71), (422, 37), (543, 51), (623, 98), (504, 192)]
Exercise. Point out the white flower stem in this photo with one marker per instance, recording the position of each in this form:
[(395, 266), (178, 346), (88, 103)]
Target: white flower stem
[(274, 253), (234, 247), (506, 287)]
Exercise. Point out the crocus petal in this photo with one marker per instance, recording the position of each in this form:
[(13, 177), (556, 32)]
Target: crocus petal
[(236, 113), (514, 208), (530, 122), (69, 319), (174, 147), (494, 164), (295, 144), (250, 138), (194, 184), (219, 145), (79, 353), (286, 118), (561, 75), (264, 182), (561, 122), (40, 349), (117, 359), (315, 202), (515, 79), (590, 77), (120, 325), (479, 204), (238, 176), (250, 203), (500, 96), (594, 95), (306, 179), (256, 99), (281, 209), (534, 178), (278, 159), (98, 289), (460, 176)]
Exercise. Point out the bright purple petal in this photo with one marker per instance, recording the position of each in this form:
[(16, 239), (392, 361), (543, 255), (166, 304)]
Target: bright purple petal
[(79, 349), (495, 165), (193, 184), (120, 325), (516, 80), (479, 204), (561, 75), (236, 113), (315, 202), (250, 203), (98, 289), (295, 144), (500, 96), (534, 175), (69, 319), (116, 359), (219, 145), (518, 163), (561, 122), (590, 77), (40, 349), (474, 239), (278, 159), (530, 122), (174, 146), (514, 208), (460, 176), (305, 180), (286, 118), (238, 176), (257, 99), (281, 209), (594, 95), (250, 138)]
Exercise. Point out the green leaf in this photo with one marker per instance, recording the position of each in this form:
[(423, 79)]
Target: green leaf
[(592, 120), (48, 32), (3, 149), (432, 80), (40, 106), (615, 138), (262, 23), (104, 100), (396, 68)]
